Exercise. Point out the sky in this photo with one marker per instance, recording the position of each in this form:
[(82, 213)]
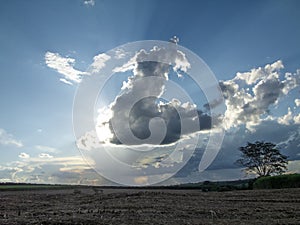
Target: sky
[(49, 48)]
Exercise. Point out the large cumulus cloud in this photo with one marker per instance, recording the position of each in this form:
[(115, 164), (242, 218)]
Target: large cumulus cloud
[(147, 85), (250, 95)]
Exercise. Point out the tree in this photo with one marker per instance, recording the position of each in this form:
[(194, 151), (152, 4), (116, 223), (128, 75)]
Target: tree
[(262, 158)]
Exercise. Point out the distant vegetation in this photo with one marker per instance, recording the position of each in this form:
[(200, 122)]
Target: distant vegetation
[(208, 186), (268, 182), (281, 181), (26, 186), (203, 186)]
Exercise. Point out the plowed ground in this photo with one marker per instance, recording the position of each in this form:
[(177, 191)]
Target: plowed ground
[(131, 206)]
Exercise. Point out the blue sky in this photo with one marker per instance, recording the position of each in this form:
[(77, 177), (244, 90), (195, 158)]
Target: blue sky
[(36, 108)]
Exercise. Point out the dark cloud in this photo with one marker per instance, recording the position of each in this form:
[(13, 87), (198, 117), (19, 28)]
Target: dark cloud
[(132, 117), (213, 104), (146, 109)]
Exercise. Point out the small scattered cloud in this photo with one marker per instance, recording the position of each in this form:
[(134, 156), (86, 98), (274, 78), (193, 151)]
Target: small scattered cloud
[(99, 62), (297, 102), (142, 180), (65, 81), (89, 2), (297, 119), (45, 156), (9, 139), (120, 53), (287, 118), (90, 140), (64, 66), (24, 155), (292, 80), (51, 170)]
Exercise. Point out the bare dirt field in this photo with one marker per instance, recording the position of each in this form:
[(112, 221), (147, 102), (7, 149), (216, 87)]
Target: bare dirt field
[(142, 206)]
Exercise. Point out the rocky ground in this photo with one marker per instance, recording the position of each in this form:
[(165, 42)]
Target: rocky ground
[(134, 206)]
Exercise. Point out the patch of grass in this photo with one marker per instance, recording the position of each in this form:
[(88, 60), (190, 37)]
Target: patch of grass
[(277, 182)]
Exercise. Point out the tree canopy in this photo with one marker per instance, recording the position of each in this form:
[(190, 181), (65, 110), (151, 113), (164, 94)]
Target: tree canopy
[(262, 158)]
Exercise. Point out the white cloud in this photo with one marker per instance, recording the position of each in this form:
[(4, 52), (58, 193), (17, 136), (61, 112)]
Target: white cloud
[(65, 81), (24, 155), (260, 73), (287, 118), (297, 119), (141, 180), (120, 53), (292, 80), (72, 160), (249, 102), (297, 102), (67, 170), (89, 2), (88, 141), (99, 62), (8, 139), (64, 66), (130, 65), (45, 155), (181, 62), (46, 148)]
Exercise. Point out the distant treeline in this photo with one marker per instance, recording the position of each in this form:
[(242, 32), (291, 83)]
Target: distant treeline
[(277, 182), (270, 182), (215, 186), (9, 186)]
